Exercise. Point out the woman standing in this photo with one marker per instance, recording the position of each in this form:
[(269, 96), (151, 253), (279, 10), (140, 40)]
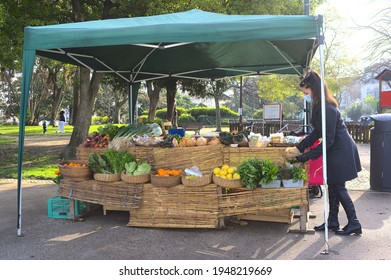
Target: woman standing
[(343, 161), (61, 123)]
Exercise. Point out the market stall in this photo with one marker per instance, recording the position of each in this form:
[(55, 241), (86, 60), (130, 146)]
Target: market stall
[(193, 44)]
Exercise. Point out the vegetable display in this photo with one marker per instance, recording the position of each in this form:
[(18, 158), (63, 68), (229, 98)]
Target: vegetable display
[(137, 168), (110, 162), (250, 172)]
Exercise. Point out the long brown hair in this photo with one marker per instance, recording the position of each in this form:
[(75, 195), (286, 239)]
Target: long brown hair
[(312, 81)]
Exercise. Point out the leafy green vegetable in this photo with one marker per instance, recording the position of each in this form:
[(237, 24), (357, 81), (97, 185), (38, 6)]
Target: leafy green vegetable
[(142, 168), (130, 167), (99, 164), (299, 173), (110, 130), (117, 159), (269, 171), (250, 172)]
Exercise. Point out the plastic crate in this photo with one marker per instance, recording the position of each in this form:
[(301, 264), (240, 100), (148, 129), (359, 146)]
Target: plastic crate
[(59, 207), (179, 131)]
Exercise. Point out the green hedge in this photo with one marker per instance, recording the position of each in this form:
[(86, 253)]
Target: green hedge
[(100, 120), (209, 111), (184, 118), (162, 113)]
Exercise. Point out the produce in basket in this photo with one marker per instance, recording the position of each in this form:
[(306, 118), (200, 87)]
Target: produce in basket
[(137, 168), (227, 172), (168, 172)]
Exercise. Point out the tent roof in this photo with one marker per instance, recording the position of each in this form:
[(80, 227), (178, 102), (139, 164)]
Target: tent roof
[(192, 44), (385, 75)]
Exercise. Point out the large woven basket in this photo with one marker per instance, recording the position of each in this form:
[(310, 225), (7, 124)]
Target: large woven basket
[(232, 184), (165, 181), (204, 180), (107, 177), (76, 173), (135, 179)]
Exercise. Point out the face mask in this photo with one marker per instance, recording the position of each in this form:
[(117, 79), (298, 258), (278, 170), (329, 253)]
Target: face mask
[(308, 98)]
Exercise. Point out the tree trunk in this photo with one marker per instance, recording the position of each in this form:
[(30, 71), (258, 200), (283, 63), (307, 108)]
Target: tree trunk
[(58, 94), (76, 95), (117, 107), (171, 93), (88, 92), (153, 91), (218, 114)]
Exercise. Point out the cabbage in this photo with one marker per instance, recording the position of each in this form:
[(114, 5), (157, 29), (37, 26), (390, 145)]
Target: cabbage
[(130, 167), (142, 168)]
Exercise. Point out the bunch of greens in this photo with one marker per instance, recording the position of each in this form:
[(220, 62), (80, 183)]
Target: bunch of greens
[(110, 162), (298, 173), (292, 172), (110, 130), (269, 171), (137, 168), (150, 129), (250, 172)]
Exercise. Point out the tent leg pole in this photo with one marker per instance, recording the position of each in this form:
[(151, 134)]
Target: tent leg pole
[(324, 154)]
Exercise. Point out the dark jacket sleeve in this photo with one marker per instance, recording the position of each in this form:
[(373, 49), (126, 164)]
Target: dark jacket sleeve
[(309, 140), (331, 124)]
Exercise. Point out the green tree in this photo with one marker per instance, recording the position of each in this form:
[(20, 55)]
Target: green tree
[(372, 103), (356, 110)]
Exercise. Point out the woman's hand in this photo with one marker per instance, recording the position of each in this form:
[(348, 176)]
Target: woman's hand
[(292, 152)]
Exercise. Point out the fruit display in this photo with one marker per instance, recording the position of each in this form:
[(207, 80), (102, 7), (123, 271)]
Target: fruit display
[(168, 172), (226, 172), (75, 164), (96, 140)]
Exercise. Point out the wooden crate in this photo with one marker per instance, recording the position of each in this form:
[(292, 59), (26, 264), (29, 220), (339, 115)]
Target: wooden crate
[(177, 207), (275, 215), (250, 201), (235, 156), (112, 194), (205, 157)]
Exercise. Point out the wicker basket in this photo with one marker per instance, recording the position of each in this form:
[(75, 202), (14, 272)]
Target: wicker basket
[(204, 180), (76, 173), (107, 177), (232, 184), (165, 181), (135, 179)]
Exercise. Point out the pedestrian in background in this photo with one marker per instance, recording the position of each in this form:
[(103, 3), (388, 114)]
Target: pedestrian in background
[(61, 123), (44, 127)]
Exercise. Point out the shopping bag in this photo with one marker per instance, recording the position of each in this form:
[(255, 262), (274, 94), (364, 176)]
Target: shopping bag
[(315, 169)]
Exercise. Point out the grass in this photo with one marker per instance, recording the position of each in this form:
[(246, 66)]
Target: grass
[(13, 130)]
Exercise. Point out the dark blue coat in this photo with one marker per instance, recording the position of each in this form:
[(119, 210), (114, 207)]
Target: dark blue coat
[(343, 161)]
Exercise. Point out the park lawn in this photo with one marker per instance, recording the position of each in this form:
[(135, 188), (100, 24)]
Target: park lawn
[(13, 130)]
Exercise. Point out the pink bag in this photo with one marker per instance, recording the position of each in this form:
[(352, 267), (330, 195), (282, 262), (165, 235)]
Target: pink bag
[(315, 170)]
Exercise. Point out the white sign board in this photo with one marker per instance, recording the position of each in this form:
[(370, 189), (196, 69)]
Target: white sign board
[(272, 112)]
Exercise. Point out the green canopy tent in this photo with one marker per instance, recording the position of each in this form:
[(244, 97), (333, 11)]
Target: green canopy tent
[(192, 44)]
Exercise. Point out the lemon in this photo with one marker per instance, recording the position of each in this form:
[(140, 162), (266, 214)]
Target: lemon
[(216, 171), (236, 176), (223, 176), (230, 170), (229, 176), (225, 167), (223, 172)]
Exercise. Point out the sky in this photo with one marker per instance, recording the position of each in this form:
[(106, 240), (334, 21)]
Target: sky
[(356, 12)]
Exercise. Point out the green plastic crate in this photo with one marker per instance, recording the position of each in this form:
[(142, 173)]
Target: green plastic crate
[(59, 207)]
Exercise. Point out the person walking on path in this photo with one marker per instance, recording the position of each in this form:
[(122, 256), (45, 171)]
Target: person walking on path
[(343, 161), (61, 123), (44, 127)]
